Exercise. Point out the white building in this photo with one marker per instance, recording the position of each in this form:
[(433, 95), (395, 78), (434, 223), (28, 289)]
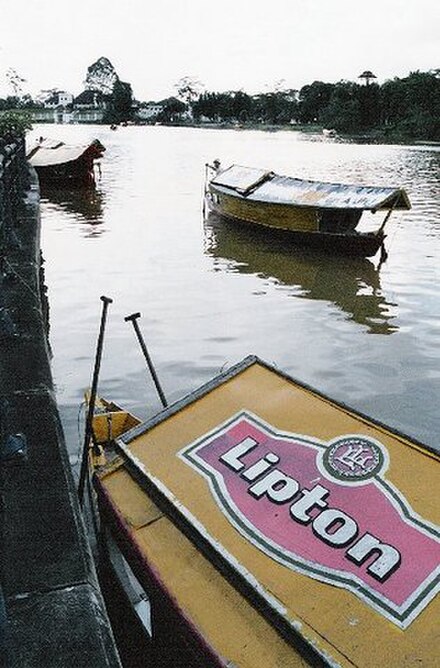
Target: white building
[(57, 98), (64, 99), (149, 111)]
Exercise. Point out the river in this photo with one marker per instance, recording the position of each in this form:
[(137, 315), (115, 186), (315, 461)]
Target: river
[(364, 333)]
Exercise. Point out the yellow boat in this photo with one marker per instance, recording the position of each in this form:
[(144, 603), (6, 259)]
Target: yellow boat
[(309, 213), (268, 525)]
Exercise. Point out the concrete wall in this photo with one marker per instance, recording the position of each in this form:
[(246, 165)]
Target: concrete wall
[(55, 612)]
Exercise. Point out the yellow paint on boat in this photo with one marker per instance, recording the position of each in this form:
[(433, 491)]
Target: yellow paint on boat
[(265, 213), (224, 618), (111, 424), (109, 420), (332, 619), (108, 423)]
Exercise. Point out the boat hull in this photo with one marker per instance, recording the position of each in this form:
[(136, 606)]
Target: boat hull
[(297, 225), (77, 174)]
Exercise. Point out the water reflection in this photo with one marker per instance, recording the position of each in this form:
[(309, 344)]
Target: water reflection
[(352, 284), (84, 204)]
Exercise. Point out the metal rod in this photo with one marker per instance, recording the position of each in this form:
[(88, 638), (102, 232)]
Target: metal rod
[(390, 211), (89, 419), (133, 319), (205, 191)]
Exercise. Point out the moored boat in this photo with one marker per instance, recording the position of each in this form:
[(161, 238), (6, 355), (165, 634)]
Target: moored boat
[(69, 165), (269, 525), (309, 213)]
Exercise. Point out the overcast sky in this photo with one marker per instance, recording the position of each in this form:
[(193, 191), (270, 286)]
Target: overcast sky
[(227, 44)]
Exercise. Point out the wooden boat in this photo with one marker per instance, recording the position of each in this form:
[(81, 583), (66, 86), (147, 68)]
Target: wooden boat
[(269, 525), (320, 215), (57, 163)]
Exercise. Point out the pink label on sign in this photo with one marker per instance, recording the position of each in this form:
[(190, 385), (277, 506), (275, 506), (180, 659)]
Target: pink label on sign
[(323, 509)]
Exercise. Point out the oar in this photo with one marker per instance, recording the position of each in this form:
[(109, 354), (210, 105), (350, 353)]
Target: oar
[(89, 429), (133, 319)]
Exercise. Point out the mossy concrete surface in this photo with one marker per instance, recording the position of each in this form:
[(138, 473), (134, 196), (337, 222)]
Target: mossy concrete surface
[(54, 608)]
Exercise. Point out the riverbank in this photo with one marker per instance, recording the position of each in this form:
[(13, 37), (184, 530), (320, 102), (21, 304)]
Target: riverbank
[(55, 615)]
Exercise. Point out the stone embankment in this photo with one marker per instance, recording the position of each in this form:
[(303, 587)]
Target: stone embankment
[(51, 608)]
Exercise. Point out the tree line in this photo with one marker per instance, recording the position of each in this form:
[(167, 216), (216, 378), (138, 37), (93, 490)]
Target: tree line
[(398, 109), (407, 107)]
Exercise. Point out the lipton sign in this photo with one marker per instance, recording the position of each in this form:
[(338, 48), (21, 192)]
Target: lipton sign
[(323, 509)]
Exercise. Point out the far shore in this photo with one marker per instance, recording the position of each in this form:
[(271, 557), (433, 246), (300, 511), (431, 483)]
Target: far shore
[(378, 136)]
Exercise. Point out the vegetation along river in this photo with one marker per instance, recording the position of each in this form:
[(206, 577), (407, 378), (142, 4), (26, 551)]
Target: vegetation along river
[(366, 334)]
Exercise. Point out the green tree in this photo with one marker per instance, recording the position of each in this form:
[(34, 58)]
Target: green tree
[(15, 124), (241, 106), (218, 106), (207, 105), (120, 103), (369, 104), (189, 90), (101, 76), (410, 106), (343, 111), (313, 101), (173, 108), (15, 81), (279, 106)]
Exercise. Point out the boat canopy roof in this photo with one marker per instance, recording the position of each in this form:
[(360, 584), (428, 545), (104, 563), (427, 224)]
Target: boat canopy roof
[(51, 152), (264, 186)]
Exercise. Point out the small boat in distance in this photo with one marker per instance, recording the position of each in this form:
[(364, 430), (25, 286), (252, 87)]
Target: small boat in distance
[(310, 213), (57, 163)]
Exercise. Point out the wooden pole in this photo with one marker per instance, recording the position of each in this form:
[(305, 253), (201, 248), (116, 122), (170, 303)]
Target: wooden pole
[(89, 420), (133, 319)]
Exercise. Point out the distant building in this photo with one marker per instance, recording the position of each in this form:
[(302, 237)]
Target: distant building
[(62, 107), (49, 114), (43, 115), (58, 99), (65, 99), (89, 107), (367, 76), (55, 107), (90, 99), (148, 111)]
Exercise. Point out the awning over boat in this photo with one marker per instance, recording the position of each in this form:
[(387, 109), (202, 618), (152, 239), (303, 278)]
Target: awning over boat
[(264, 186), (242, 179), (50, 153)]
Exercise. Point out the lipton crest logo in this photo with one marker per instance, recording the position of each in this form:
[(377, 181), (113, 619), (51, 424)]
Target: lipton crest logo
[(324, 510), (354, 458)]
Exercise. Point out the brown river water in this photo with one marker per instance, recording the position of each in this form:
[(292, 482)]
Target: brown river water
[(364, 333)]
